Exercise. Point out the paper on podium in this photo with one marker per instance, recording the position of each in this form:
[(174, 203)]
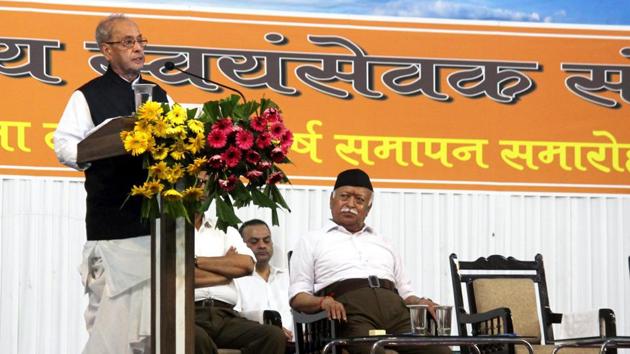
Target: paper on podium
[(104, 141)]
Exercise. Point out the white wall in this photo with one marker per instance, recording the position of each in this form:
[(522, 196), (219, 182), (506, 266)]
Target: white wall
[(585, 240)]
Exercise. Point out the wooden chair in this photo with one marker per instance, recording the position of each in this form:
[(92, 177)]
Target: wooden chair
[(502, 297)]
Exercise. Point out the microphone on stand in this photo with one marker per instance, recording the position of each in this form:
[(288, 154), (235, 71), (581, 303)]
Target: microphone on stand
[(169, 65)]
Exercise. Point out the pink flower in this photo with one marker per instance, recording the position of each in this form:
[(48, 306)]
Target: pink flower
[(277, 155), (231, 156), (224, 125), (252, 156), (253, 175), (216, 161), (287, 140), (217, 138), (277, 129), (272, 115), (275, 178), (258, 123), (263, 165), (244, 139), (263, 140), (228, 184)]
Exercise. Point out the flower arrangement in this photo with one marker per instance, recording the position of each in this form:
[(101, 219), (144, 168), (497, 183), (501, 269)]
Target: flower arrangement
[(228, 153)]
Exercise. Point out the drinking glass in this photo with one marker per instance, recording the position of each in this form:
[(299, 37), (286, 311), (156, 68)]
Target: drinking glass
[(418, 317), (142, 93), (443, 319)]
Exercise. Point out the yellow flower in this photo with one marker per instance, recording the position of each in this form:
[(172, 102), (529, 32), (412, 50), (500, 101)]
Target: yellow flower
[(159, 128), (137, 142), (158, 170), (172, 195), (193, 193), (154, 187), (174, 173), (178, 150), (195, 126), (160, 152), (196, 144), (177, 155), (175, 130), (150, 111), (143, 126), (177, 115), (123, 134), (141, 190), (194, 168)]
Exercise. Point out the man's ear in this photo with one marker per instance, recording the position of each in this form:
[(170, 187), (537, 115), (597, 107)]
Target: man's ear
[(106, 51)]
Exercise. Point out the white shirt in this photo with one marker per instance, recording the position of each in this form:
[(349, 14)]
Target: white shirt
[(75, 123), (333, 254), (257, 295), (212, 242)]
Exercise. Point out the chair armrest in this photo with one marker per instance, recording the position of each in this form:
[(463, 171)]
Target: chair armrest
[(493, 322), (302, 317), (552, 317), (607, 323), (272, 317)]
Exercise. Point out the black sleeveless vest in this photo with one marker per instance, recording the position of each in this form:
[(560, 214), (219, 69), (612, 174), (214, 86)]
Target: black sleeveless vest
[(109, 181)]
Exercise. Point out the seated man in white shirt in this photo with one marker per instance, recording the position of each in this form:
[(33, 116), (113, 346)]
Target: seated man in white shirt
[(220, 258), (352, 272), (267, 288)]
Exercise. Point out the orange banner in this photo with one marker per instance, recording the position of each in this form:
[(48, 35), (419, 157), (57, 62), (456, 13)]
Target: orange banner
[(417, 105)]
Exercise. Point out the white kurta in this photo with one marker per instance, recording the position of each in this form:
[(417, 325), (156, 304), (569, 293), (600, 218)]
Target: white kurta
[(212, 242), (257, 295)]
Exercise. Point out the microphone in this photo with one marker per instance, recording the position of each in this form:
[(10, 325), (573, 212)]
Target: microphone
[(169, 65)]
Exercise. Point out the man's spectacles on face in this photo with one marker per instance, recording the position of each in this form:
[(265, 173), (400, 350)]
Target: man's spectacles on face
[(130, 42)]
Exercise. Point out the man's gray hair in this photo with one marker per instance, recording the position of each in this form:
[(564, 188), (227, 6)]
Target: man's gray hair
[(104, 28)]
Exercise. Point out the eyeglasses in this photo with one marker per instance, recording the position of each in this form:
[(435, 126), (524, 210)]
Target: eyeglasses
[(131, 42)]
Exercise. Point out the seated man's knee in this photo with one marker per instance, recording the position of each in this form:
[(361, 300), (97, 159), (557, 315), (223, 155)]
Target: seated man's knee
[(275, 333), (203, 342)]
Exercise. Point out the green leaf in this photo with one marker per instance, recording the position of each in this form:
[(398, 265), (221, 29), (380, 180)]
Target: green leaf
[(191, 112), (278, 199), (225, 212), (274, 217), (261, 199), (241, 195), (212, 112)]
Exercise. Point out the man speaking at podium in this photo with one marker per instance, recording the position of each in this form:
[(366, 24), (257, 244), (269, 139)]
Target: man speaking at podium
[(117, 256)]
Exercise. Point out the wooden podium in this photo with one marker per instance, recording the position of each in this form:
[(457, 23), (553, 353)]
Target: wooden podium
[(172, 253)]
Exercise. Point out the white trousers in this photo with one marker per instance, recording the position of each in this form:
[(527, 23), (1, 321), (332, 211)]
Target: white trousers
[(116, 275)]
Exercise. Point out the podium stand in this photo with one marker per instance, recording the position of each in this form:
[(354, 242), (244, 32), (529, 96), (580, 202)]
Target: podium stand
[(172, 252)]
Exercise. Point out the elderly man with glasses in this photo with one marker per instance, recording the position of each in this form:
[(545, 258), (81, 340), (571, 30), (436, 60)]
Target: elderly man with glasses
[(351, 271), (117, 255)]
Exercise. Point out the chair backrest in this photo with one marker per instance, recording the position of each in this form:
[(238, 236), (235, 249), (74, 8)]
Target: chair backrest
[(499, 282)]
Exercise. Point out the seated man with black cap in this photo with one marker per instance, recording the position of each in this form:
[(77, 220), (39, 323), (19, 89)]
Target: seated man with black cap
[(352, 272)]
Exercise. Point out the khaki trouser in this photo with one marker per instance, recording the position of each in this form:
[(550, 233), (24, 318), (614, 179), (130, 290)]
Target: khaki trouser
[(376, 308), (217, 327)]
